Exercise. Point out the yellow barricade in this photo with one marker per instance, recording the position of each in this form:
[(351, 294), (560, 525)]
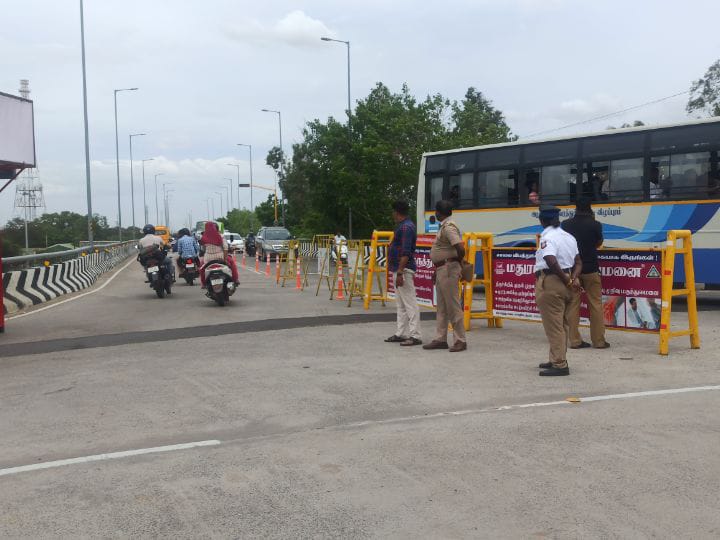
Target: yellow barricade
[(668, 292), (289, 261), (479, 243), (376, 271), (359, 272)]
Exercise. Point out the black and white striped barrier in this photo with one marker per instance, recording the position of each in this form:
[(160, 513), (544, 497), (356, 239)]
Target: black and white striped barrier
[(24, 288), (380, 254)]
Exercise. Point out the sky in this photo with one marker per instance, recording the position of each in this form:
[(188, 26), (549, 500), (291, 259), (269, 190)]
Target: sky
[(206, 69)]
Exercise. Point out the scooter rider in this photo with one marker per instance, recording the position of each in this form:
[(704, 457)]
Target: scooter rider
[(151, 242), (187, 246)]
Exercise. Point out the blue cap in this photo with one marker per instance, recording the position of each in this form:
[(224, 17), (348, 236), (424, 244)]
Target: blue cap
[(547, 211)]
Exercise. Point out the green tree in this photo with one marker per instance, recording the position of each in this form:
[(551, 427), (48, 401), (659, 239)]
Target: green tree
[(705, 92), (265, 212), (240, 221)]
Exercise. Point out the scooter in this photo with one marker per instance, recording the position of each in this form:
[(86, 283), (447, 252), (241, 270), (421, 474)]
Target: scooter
[(158, 277), (219, 283), (343, 254), (189, 269)]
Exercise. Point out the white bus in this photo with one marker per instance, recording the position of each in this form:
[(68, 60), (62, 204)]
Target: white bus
[(643, 182)]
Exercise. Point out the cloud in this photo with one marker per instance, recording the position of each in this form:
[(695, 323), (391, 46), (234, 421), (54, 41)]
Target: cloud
[(585, 108), (296, 29)]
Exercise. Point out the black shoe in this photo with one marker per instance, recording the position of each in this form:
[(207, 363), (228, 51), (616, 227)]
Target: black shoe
[(555, 372), (583, 345), (395, 339), (545, 365)]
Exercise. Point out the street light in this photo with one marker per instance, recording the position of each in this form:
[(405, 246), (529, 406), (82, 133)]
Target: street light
[(230, 184), (167, 207), (227, 196), (221, 205), (117, 158), (145, 208), (132, 181), (165, 204), (87, 134), (347, 43), (238, 178), (157, 208), (249, 146), (282, 167)]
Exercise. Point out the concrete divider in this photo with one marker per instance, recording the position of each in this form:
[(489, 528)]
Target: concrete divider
[(32, 286)]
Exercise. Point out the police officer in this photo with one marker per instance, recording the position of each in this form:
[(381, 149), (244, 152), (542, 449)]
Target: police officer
[(557, 267)]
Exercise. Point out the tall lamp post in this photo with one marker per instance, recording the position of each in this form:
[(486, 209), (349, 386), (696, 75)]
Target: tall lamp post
[(165, 202), (227, 197), (230, 186), (221, 203), (349, 111), (87, 134), (132, 181), (282, 167), (157, 207), (167, 207), (145, 208), (237, 167), (117, 158), (249, 147)]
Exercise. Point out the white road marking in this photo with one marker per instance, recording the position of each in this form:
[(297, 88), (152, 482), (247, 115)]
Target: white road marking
[(105, 457), (351, 425), (93, 291)]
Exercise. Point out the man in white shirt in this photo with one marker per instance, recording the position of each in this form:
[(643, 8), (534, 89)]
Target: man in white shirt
[(557, 267)]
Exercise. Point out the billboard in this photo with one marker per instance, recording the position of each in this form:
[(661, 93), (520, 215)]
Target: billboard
[(17, 134), (424, 287), (631, 287)]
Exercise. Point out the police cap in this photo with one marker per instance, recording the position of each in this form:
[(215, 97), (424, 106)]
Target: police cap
[(549, 212)]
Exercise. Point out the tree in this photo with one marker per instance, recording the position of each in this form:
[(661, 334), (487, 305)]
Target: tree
[(705, 92), (335, 169), (265, 212), (240, 221), (636, 123)]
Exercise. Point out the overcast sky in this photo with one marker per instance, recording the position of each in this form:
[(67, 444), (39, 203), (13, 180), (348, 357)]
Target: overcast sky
[(205, 69)]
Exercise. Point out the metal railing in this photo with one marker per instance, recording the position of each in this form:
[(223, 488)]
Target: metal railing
[(22, 262)]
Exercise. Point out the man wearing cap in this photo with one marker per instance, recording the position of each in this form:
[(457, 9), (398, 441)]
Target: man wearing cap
[(446, 253), (557, 267), (588, 233)]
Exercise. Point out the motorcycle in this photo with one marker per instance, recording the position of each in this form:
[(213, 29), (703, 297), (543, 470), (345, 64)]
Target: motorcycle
[(219, 283), (343, 254), (158, 277), (250, 246), (189, 269)]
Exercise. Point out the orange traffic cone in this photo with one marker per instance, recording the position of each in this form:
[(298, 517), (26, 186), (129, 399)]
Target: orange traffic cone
[(298, 279), (257, 263), (244, 264), (341, 282), (277, 268), (267, 265)]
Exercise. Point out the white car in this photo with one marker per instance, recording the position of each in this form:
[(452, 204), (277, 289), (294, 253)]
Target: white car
[(235, 241)]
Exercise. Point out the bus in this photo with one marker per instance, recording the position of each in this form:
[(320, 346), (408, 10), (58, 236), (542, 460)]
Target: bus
[(643, 182)]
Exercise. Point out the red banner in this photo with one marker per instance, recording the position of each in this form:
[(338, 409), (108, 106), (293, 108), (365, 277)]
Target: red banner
[(631, 287), (424, 288)]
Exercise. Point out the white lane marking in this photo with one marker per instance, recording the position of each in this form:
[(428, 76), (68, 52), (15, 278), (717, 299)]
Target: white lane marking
[(104, 457), (465, 412), (93, 291)]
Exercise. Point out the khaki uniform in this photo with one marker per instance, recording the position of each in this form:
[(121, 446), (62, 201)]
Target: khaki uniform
[(554, 299), (447, 279), (593, 287)]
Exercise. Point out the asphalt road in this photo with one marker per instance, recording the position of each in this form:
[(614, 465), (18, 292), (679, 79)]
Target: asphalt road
[(311, 426)]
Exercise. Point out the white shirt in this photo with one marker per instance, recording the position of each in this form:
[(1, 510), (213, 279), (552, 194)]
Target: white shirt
[(562, 245)]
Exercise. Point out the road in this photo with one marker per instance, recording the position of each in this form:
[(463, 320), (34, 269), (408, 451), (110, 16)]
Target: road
[(298, 421)]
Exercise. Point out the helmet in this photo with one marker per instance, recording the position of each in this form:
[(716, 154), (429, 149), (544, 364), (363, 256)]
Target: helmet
[(149, 229)]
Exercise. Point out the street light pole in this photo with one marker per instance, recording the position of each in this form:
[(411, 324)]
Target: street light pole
[(237, 167), (349, 103), (282, 159), (165, 206), (145, 208), (87, 135), (117, 158), (132, 181), (227, 197), (166, 195), (222, 214), (157, 207), (252, 207), (230, 187)]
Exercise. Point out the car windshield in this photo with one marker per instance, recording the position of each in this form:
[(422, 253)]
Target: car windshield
[(277, 234)]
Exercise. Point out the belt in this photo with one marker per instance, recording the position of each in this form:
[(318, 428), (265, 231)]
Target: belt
[(549, 272), (449, 259)]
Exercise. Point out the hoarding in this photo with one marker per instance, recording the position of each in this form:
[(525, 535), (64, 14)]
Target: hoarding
[(424, 287), (17, 134), (631, 287)]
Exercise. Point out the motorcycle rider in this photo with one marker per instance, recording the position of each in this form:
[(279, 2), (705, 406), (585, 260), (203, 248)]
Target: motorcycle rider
[(216, 249), (151, 242), (187, 247), (338, 242)]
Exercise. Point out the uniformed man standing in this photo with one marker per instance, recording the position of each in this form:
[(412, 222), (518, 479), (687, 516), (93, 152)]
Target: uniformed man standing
[(557, 267), (446, 253)]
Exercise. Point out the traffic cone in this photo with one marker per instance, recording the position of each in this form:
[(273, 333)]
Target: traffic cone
[(341, 282), (244, 264), (277, 268), (257, 263), (298, 279), (267, 265)]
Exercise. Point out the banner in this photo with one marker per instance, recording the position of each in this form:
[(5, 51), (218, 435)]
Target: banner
[(424, 288), (631, 287)]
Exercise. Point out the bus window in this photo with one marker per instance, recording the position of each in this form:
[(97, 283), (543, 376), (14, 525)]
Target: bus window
[(462, 190), (434, 192), (532, 185), (626, 180), (497, 188), (558, 184), (596, 181), (680, 176)]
